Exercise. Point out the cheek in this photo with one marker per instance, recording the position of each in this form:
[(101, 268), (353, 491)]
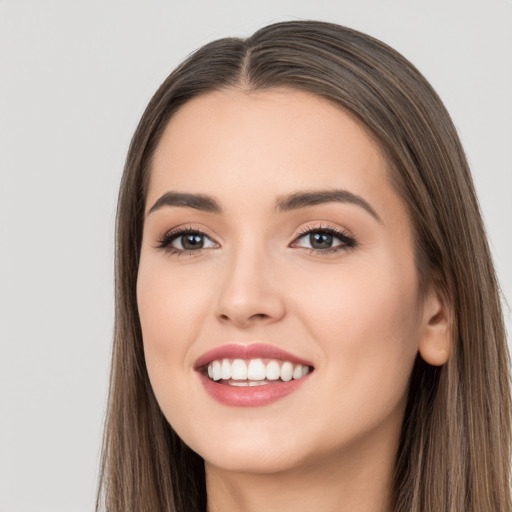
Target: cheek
[(169, 305), (369, 294), (366, 321), (169, 311)]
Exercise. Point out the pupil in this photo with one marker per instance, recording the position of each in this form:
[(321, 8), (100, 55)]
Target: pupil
[(192, 241), (320, 240)]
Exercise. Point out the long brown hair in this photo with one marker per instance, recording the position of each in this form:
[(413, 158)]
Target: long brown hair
[(454, 452)]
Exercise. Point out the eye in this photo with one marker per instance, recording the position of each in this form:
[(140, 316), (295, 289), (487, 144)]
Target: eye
[(324, 239), (185, 240)]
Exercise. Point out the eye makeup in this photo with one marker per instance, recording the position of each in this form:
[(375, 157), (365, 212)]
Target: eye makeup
[(189, 237), (321, 240), (324, 235)]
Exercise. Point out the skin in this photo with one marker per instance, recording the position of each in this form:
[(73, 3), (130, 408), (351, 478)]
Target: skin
[(356, 314)]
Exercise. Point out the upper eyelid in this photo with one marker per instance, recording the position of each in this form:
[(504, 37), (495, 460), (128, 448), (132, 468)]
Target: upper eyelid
[(346, 238), (180, 230), (174, 233), (322, 227)]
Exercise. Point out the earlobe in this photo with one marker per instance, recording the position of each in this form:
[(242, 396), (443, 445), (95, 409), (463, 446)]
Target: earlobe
[(436, 343)]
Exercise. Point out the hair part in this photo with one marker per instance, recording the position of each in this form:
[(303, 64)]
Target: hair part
[(454, 451)]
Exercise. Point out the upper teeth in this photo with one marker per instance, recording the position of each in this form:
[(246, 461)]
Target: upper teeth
[(255, 369)]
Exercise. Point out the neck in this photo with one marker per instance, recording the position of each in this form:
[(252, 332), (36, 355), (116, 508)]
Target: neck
[(342, 483)]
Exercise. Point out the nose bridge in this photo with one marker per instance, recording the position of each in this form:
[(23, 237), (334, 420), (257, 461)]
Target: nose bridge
[(249, 290)]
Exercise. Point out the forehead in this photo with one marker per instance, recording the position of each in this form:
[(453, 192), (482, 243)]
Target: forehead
[(259, 144)]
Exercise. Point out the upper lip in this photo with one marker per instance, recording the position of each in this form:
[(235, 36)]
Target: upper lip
[(248, 351)]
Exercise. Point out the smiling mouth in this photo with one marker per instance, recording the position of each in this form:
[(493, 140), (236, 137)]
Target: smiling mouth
[(254, 372)]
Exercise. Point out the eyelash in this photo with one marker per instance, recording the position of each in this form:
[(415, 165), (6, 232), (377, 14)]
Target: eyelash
[(347, 241)]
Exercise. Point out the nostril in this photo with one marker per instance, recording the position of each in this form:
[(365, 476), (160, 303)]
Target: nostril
[(252, 317)]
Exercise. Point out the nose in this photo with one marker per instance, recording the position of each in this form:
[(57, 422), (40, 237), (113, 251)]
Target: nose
[(250, 292)]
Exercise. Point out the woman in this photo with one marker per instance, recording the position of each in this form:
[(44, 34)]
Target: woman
[(307, 312)]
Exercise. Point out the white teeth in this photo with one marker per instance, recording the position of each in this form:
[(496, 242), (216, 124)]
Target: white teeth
[(216, 370), (239, 370), (225, 370), (246, 383), (256, 370), (273, 370), (286, 371)]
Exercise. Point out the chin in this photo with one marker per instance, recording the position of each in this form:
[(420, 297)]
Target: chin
[(254, 461), (255, 448)]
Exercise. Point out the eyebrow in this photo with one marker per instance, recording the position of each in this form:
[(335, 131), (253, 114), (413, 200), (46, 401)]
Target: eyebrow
[(295, 201), (310, 198), (197, 201)]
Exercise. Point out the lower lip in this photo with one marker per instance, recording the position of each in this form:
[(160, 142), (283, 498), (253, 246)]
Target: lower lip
[(250, 396)]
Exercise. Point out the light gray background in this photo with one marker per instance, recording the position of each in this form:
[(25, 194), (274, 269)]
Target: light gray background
[(75, 77)]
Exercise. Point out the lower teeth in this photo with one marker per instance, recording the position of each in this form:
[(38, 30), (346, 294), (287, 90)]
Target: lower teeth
[(245, 383)]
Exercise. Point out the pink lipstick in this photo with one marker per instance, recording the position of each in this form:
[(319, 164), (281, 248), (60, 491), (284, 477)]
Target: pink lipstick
[(251, 375)]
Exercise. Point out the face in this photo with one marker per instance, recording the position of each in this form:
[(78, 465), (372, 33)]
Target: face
[(274, 240)]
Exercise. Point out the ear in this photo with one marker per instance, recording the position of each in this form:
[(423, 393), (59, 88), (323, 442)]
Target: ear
[(436, 339)]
